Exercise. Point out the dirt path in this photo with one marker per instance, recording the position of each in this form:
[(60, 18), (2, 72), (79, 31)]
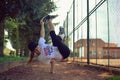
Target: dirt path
[(64, 71)]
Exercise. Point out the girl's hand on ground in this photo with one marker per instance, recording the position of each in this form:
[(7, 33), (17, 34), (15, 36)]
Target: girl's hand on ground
[(52, 72)]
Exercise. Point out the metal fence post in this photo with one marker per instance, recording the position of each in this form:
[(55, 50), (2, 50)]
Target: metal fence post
[(108, 32), (73, 30), (88, 33)]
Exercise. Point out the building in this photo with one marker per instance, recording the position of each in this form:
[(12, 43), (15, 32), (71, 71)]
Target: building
[(98, 49)]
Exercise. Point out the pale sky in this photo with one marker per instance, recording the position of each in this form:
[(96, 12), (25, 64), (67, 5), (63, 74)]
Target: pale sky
[(64, 6), (61, 11)]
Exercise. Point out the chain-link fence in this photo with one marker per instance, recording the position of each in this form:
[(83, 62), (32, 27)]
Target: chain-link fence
[(92, 29)]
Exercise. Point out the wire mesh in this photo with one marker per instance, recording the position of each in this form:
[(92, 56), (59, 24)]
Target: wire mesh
[(104, 39)]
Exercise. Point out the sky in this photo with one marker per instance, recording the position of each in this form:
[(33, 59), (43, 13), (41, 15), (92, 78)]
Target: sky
[(63, 7)]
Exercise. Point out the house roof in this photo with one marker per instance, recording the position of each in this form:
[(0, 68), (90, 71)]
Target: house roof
[(111, 47), (93, 40)]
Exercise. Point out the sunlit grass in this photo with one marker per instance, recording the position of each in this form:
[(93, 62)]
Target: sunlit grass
[(8, 58), (11, 58), (113, 77)]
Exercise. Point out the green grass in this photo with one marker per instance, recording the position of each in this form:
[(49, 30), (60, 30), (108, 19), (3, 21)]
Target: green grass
[(11, 58), (113, 77)]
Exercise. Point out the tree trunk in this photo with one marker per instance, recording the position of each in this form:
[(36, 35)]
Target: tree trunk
[(1, 38)]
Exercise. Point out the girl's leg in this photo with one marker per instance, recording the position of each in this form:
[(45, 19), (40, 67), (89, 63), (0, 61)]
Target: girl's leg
[(50, 25), (57, 41)]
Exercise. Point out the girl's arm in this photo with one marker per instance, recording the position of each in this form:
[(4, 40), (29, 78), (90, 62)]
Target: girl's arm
[(31, 58), (42, 30), (52, 66)]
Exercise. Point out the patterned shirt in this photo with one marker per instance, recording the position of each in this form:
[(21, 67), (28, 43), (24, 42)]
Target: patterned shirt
[(48, 52)]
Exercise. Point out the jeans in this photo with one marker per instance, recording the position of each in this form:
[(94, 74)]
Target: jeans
[(57, 41)]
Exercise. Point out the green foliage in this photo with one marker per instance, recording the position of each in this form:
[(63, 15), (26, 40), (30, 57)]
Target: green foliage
[(113, 77), (11, 58), (11, 22), (22, 20)]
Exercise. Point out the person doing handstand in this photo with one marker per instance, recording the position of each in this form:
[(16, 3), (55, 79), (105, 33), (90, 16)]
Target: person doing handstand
[(48, 54)]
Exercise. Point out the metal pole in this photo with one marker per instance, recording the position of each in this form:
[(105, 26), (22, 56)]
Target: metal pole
[(73, 29), (67, 28), (108, 33), (96, 30), (88, 32), (81, 30)]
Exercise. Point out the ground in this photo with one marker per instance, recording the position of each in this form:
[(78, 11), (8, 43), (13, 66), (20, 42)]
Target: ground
[(63, 71)]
